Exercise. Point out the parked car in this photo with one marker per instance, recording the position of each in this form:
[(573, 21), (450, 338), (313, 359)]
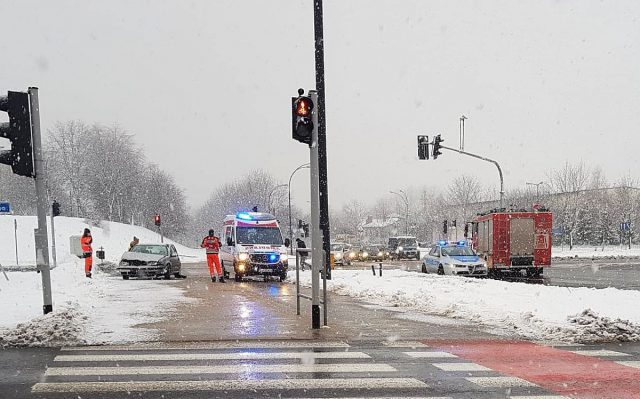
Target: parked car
[(453, 258), (150, 260)]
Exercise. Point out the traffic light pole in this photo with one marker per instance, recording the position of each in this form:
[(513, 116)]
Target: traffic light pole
[(484, 159), (316, 232), (42, 244), (53, 241), (322, 136)]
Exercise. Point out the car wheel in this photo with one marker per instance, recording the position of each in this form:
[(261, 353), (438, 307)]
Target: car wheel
[(125, 277), (238, 277), (441, 270), (167, 274), (283, 276), (424, 268)]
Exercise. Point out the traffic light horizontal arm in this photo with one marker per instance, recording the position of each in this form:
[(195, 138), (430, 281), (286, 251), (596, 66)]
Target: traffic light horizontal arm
[(484, 159)]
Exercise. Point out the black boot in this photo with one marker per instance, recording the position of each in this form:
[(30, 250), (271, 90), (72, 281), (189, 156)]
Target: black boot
[(221, 279), (213, 279)]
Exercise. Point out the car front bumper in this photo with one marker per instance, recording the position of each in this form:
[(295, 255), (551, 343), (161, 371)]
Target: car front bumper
[(468, 270), (141, 271)]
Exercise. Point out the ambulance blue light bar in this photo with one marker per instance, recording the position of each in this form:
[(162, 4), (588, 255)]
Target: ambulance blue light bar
[(244, 216)]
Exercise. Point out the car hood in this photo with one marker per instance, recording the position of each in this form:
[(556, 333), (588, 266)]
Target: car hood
[(142, 256), (466, 258)]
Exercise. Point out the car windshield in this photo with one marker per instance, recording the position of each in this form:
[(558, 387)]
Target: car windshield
[(407, 242), (457, 251), (150, 249), (258, 235)]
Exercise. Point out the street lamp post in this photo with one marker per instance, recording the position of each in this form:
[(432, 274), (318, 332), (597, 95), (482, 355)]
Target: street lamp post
[(406, 203), (273, 190), (303, 166)]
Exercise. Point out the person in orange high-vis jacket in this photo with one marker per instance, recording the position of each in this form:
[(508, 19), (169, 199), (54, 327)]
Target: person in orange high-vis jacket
[(212, 244), (87, 251)]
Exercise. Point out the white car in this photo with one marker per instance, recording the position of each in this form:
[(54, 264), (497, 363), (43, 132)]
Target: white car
[(342, 254), (453, 258)]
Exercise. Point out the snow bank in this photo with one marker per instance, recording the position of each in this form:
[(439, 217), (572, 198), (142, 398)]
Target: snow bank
[(537, 312), (113, 237), (559, 251)]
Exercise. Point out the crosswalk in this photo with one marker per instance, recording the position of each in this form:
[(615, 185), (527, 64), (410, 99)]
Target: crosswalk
[(295, 369), (243, 369)]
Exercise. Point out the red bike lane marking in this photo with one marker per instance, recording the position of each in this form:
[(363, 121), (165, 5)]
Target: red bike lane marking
[(556, 370)]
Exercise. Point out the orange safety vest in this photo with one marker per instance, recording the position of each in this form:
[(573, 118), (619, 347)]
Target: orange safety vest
[(86, 241), (211, 243)]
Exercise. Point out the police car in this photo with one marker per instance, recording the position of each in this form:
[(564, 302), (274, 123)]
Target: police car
[(453, 258)]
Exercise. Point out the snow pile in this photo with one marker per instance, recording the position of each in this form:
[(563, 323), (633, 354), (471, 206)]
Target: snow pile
[(537, 312), (63, 327), (591, 252), (113, 237)]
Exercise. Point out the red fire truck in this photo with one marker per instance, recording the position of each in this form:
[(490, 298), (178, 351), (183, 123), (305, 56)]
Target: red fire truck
[(514, 241)]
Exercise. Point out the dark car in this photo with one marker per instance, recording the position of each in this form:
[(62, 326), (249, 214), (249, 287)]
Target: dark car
[(150, 260), (376, 252)]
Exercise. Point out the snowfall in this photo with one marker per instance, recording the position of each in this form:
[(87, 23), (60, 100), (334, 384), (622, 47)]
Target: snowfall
[(100, 310), (107, 309)]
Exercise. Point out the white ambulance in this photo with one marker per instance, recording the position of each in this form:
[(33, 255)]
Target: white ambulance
[(252, 245)]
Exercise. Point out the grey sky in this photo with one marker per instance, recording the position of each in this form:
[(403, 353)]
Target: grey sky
[(205, 86)]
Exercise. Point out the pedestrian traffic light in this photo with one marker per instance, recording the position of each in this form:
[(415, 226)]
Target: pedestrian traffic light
[(18, 131), (156, 220), (55, 208), (302, 118), (423, 147), (436, 146), (445, 227)]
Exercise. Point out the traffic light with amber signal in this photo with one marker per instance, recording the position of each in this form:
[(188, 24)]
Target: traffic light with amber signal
[(156, 219), (302, 118), (436, 146), (423, 147), (18, 131)]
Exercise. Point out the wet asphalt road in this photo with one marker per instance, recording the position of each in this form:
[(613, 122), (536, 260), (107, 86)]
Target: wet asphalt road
[(603, 273)]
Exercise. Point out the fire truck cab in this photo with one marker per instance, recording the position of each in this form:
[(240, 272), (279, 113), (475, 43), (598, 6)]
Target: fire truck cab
[(514, 241)]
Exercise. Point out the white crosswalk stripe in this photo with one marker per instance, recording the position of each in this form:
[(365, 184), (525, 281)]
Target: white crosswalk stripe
[(220, 367)]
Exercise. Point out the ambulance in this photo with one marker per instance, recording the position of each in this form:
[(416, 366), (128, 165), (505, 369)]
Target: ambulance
[(252, 245)]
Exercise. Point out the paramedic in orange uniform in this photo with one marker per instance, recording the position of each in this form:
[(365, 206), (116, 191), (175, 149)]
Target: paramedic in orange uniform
[(87, 251), (212, 245)]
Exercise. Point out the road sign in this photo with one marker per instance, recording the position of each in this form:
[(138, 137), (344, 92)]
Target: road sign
[(5, 208), (625, 226)]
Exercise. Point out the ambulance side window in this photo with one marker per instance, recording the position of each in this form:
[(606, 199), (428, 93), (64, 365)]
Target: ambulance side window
[(227, 234)]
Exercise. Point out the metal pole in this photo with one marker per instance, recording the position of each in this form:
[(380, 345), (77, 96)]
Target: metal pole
[(306, 165), (297, 283), (316, 235), (484, 159), (15, 238), (324, 293), (42, 245), (53, 241), (322, 134)]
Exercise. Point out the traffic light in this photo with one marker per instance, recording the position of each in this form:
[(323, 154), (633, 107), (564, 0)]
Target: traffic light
[(436, 146), (156, 220), (466, 230), (454, 223), (445, 227), (18, 131), (423, 147), (55, 208), (302, 118)]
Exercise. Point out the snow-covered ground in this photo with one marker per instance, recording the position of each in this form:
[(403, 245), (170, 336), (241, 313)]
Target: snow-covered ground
[(616, 251), (537, 312), (103, 309)]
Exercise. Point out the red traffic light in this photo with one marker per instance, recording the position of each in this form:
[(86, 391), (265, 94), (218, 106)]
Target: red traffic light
[(156, 219), (304, 106)]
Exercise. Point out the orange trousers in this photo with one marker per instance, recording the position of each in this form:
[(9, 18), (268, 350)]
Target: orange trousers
[(212, 259), (88, 262)]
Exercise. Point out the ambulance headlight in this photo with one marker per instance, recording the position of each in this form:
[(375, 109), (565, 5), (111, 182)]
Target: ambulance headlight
[(241, 267), (243, 256)]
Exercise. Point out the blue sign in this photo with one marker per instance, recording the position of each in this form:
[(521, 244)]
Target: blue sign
[(625, 226), (5, 207)]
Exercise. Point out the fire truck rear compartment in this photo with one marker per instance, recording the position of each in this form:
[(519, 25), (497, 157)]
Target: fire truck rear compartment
[(522, 241)]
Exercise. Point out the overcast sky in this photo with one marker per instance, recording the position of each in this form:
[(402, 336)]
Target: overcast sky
[(205, 86)]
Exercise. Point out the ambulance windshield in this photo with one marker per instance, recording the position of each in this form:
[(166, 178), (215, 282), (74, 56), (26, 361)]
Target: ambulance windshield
[(258, 235)]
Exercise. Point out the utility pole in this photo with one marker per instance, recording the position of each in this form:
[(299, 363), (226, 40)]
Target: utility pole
[(322, 136), (42, 244), (316, 234)]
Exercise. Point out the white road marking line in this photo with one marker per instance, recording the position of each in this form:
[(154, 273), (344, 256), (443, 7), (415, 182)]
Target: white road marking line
[(230, 385), (461, 367), (430, 355), (599, 352), (404, 344), (539, 397), (630, 363), (223, 369), (212, 356), (211, 345), (500, 382)]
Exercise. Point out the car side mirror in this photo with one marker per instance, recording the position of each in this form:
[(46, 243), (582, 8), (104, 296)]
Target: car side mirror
[(229, 241), (287, 242)]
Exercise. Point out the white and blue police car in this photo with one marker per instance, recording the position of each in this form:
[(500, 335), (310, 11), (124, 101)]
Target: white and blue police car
[(453, 258)]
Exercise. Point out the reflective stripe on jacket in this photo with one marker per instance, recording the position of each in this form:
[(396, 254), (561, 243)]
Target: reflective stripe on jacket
[(211, 243)]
